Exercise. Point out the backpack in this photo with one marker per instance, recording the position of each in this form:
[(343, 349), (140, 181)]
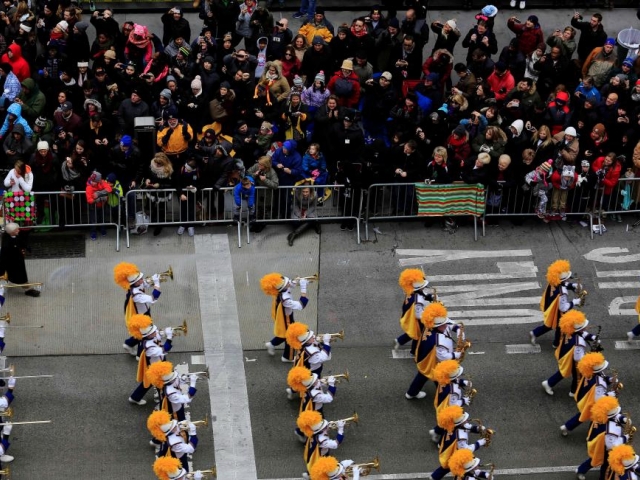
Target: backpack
[(343, 87)]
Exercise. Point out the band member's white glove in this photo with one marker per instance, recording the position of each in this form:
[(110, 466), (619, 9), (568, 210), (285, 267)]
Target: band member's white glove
[(192, 429), (192, 380), (11, 383), (168, 332), (331, 381), (6, 430), (457, 355), (303, 285), (156, 279), (326, 339), (575, 285), (340, 424), (356, 473), (576, 302), (2, 289), (197, 475), (482, 442), (2, 325)]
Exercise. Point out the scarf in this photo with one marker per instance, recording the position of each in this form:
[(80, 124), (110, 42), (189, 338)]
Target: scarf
[(44, 163), (359, 34), (69, 174)]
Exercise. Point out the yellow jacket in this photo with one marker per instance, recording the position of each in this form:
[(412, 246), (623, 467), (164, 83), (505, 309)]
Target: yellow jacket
[(176, 143), (310, 30)]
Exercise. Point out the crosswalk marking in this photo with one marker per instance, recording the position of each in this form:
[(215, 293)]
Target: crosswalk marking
[(522, 348), (626, 345), (437, 256), (616, 285), (618, 273)]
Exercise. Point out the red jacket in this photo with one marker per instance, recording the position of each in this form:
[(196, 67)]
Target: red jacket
[(19, 65), (528, 38), (500, 86), (612, 175), (556, 179), (351, 100), (91, 189)]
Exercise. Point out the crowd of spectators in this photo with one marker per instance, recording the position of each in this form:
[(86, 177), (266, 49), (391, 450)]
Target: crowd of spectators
[(241, 94)]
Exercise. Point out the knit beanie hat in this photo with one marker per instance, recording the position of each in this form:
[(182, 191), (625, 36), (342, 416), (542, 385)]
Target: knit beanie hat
[(320, 77), (42, 145), (166, 93), (196, 83)]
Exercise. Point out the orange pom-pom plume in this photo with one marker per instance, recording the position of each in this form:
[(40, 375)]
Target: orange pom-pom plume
[(164, 466), (569, 321), (157, 418), (306, 419), (447, 416), (408, 277), (136, 323), (269, 284), (458, 459), (293, 332), (555, 270), (617, 455), (121, 271), (296, 376), (588, 362), (431, 312), (322, 467), (156, 371), (601, 407), (443, 370)]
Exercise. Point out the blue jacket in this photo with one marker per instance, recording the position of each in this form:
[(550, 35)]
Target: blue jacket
[(249, 195), (292, 160), (15, 109)]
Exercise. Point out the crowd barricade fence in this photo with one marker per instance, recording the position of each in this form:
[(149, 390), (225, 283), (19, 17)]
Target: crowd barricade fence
[(623, 199)]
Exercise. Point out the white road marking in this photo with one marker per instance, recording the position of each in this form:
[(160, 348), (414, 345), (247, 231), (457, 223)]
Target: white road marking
[(198, 360), (610, 285), (401, 354), (490, 289), (616, 303), (626, 345), (602, 255), (618, 273), (492, 302), (475, 353), (522, 348), (247, 359), (438, 256), (478, 277)]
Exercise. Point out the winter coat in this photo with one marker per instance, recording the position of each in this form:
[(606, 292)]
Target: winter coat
[(240, 193), (588, 38), (472, 45), (128, 112), (335, 86), (46, 172), (311, 29), (313, 62), (528, 38), (315, 98), (279, 88), (598, 65), (18, 64), (569, 152), (174, 29), (291, 160), (315, 164), (271, 180), (102, 188), (20, 184), (500, 86), (567, 46), (304, 207), (446, 42), (174, 141), (16, 110), (611, 176), (33, 103)]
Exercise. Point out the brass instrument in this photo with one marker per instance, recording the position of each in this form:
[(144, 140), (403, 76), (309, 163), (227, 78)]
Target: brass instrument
[(581, 292), (365, 468), (185, 377), (6, 318), (469, 392), (312, 278), (338, 377), (485, 432), (615, 385), (182, 328), (5, 277), (595, 345), (184, 425), (463, 345), (435, 294), (334, 336), (628, 428), (354, 419), (492, 467), (24, 423), (212, 471), (164, 276), (6, 472), (7, 413)]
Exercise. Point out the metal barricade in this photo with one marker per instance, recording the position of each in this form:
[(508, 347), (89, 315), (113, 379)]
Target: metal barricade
[(514, 201), (71, 209), (391, 201), (327, 202), (623, 200), (146, 208)]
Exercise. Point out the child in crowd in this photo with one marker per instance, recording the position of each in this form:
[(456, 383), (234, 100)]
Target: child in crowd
[(562, 183), (540, 178), (97, 192), (244, 195)]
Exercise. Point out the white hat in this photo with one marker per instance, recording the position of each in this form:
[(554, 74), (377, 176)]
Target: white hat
[(305, 336), (25, 28), (63, 25), (387, 75), (148, 330), (169, 377), (167, 427), (461, 419), (180, 473), (456, 373), (42, 145), (631, 461), (83, 64), (582, 326), (321, 425), (283, 284), (335, 474), (471, 464), (566, 275), (614, 411), (438, 321), (571, 131), (601, 367), (311, 380), (452, 23), (134, 278), (420, 284)]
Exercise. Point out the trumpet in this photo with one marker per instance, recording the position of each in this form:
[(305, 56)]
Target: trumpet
[(6, 473), (6, 318), (7, 413), (581, 292), (485, 432), (469, 392), (627, 427), (5, 277), (313, 278), (615, 385), (345, 375), (463, 345), (334, 336), (596, 346), (492, 467), (185, 377), (164, 276), (184, 425), (354, 419), (212, 472), (24, 423), (182, 328), (435, 294), (365, 468)]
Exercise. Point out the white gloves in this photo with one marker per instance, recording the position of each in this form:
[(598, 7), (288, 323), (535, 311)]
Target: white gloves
[(574, 285), (303, 285), (2, 325), (331, 381), (2, 289), (192, 430), (12, 382), (156, 279), (340, 424), (197, 475), (482, 442), (457, 355), (6, 430), (168, 332), (576, 302), (326, 339), (192, 380)]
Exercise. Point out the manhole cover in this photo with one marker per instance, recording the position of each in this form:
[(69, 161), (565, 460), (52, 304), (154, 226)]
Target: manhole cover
[(57, 245)]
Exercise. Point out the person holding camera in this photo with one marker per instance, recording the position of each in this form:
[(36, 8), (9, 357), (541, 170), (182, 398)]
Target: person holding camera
[(608, 170), (175, 25)]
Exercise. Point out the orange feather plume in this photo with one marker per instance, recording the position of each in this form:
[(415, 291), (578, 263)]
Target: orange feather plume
[(601, 407), (617, 455), (555, 270), (443, 370), (164, 466), (293, 332), (306, 419), (569, 321), (322, 467), (588, 362), (431, 312), (295, 378), (408, 277), (136, 323), (156, 371), (121, 271), (269, 284), (447, 417), (458, 459), (155, 420)]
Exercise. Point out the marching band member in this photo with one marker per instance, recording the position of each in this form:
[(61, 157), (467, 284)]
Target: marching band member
[(555, 300), (592, 386), (319, 442), (623, 462), (166, 430), (3, 323), (171, 468), (454, 421), (166, 379), (328, 468), (311, 388), (312, 354), (279, 287), (4, 444), (572, 348), (435, 345), (464, 466), (414, 285), (635, 331), (605, 433), (137, 301), (5, 401), (153, 351), (449, 392)]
